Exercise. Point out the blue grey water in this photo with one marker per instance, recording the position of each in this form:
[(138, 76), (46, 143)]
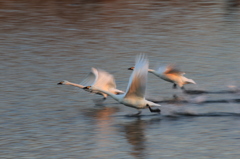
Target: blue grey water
[(44, 42)]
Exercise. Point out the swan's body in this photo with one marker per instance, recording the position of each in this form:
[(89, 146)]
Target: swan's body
[(135, 94), (171, 74), (97, 78)]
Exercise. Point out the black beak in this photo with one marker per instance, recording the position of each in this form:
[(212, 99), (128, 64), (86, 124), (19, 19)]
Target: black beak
[(60, 83), (130, 68)]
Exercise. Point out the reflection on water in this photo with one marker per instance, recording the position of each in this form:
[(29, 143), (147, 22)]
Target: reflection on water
[(44, 42), (135, 136)]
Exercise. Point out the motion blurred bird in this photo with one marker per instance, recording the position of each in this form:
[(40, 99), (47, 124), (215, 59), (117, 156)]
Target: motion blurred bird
[(135, 94), (171, 74), (97, 78)]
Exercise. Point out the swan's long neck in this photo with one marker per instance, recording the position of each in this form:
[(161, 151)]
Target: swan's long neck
[(114, 96), (74, 84), (156, 73), (151, 70)]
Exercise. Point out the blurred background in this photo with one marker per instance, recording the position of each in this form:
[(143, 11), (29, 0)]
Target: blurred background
[(43, 42)]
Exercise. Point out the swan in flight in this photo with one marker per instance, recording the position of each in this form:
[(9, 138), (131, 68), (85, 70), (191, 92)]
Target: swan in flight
[(97, 78), (171, 74), (135, 94)]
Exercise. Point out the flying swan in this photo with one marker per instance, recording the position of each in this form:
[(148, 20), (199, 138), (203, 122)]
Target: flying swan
[(97, 78), (171, 74), (135, 94)]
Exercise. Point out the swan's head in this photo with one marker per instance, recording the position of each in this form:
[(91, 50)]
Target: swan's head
[(131, 68), (63, 82)]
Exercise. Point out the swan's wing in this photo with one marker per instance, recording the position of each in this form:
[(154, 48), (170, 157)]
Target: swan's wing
[(160, 69), (89, 80), (116, 91), (104, 80), (170, 69), (138, 80)]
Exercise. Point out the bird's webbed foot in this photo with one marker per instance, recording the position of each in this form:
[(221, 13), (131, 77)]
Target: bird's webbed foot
[(154, 110)]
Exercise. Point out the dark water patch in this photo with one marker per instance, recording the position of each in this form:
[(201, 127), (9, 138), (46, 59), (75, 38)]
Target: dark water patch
[(142, 115), (170, 101), (223, 101), (212, 114), (180, 101), (198, 92), (158, 117)]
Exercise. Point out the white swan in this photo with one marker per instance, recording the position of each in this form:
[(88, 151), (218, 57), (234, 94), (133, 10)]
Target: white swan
[(171, 74), (97, 78), (134, 95)]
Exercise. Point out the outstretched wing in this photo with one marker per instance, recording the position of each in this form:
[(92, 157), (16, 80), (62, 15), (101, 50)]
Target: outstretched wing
[(89, 80), (170, 69), (104, 80), (138, 80)]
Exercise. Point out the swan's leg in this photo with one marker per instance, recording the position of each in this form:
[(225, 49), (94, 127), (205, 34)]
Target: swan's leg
[(154, 110), (104, 96), (174, 86)]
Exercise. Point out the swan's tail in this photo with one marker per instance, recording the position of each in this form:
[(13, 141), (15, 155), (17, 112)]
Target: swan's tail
[(151, 104), (190, 81)]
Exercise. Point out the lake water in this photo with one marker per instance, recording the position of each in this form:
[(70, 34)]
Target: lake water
[(45, 42)]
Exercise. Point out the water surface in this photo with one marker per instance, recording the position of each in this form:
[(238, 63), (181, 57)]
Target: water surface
[(45, 42)]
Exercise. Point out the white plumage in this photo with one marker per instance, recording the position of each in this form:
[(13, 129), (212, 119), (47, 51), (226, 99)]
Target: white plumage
[(172, 74), (135, 94), (97, 78)]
